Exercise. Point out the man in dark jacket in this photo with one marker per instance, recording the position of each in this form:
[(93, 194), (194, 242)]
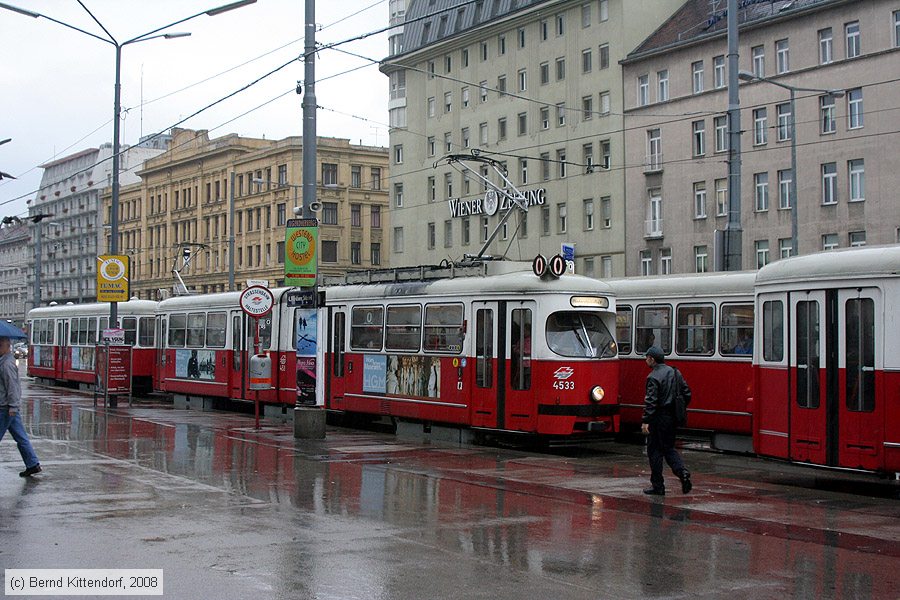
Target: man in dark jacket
[(10, 399), (659, 422)]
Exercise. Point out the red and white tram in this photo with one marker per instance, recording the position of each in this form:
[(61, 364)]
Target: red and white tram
[(704, 324), (500, 350), (206, 342), (827, 359), (64, 340)]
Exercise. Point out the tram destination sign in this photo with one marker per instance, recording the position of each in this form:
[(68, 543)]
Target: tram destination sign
[(257, 301)]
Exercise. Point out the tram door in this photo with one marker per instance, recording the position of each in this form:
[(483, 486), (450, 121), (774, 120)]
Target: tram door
[(809, 420), (159, 375), (861, 417), (520, 405), (487, 399), (336, 348), (236, 376)]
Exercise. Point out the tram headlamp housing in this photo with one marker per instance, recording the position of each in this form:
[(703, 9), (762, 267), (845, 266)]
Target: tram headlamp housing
[(589, 301), (597, 393)]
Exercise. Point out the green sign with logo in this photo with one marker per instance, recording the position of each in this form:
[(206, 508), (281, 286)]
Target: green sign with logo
[(300, 260)]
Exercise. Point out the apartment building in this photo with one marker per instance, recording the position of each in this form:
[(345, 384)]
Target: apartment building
[(842, 55), (13, 262)]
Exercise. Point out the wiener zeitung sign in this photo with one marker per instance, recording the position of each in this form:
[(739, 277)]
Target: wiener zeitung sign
[(492, 203), (300, 252), (112, 278)]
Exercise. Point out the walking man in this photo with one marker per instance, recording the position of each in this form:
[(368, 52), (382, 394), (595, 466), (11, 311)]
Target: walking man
[(10, 398), (659, 422)]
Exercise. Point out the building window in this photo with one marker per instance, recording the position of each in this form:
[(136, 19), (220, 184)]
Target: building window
[(448, 233), (854, 47), (545, 73), (432, 189), (785, 247), (721, 197), (606, 212), (483, 51), (545, 30), (857, 176), (329, 251), (483, 91), (282, 175), (375, 251), (522, 120), (653, 226), (560, 68), (501, 129), (588, 209), (662, 85), (700, 200), (561, 162), (785, 183), (829, 183), (356, 176), (697, 76), (398, 195), (398, 154), (646, 263), (761, 191), (654, 150), (561, 114), (430, 235), (355, 215), (782, 56), (586, 61), (826, 46), (430, 103), (783, 112), (604, 103), (545, 117), (698, 129), (605, 154), (545, 220), (721, 126), (560, 24), (897, 29), (281, 214), (355, 253), (523, 171), (483, 134), (857, 239), (448, 142), (464, 134), (485, 228), (375, 175), (398, 240), (587, 157), (665, 261), (448, 102), (464, 93), (854, 108), (585, 15), (501, 45), (523, 80), (465, 231), (604, 56), (758, 58), (329, 174), (826, 112), (329, 213), (501, 85), (545, 166), (587, 108), (719, 72), (830, 241), (643, 90), (760, 127), (762, 253), (562, 215), (701, 259), (521, 37)]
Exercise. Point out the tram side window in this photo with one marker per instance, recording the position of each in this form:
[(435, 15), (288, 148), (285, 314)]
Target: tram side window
[(265, 332), (860, 352), (624, 326), (196, 330), (83, 331), (484, 348), (653, 328), (146, 332), (92, 331), (443, 328), (366, 327), (216, 324), (736, 329), (403, 328), (773, 331), (73, 332), (129, 324), (695, 330), (520, 349), (177, 330)]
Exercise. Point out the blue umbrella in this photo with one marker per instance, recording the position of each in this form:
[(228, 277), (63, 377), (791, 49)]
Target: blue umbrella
[(8, 330)]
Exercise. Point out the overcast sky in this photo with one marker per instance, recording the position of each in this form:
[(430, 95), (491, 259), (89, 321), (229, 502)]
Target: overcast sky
[(56, 86)]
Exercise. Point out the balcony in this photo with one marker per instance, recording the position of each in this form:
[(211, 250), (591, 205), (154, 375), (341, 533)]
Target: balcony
[(653, 229), (653, 163)]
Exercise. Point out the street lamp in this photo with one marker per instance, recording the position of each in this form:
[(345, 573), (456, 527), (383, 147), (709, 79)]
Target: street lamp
[(748, 76), (117, 109)]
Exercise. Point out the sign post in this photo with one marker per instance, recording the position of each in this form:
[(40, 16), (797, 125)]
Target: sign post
[(112, 368), (257, 302)]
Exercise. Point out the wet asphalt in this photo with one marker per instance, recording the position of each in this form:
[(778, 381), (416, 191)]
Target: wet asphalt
[(228, 511)]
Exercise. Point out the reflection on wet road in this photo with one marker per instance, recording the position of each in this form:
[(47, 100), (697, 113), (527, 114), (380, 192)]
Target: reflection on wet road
[(230, 512)]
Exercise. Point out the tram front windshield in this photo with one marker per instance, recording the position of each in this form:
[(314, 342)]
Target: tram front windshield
[(579, 334)]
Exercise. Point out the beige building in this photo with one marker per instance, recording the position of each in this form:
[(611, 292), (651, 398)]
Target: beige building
[(13, 266), (676, 143), (533, 84), (182, 205)]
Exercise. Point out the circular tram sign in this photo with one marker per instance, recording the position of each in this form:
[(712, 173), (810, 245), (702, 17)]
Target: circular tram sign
[(257, 301)]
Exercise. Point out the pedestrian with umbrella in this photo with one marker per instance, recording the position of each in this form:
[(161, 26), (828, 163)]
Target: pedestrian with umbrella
[(11, 398)]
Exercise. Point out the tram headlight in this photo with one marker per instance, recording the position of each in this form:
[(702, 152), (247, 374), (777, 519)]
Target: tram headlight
[(597, 393)]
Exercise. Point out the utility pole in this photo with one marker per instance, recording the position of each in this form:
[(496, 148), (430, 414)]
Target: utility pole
[(731, 252)]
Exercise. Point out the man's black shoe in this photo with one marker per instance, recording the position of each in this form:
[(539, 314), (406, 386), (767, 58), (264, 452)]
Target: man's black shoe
[(31, 471), (655, 491), (686, 485)]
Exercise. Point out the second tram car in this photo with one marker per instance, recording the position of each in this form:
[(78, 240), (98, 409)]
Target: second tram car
[(500, 350), (827, 359), (704, 325), (64, 340)]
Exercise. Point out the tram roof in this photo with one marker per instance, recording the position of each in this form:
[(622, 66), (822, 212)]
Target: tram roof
[(94, 309), (685, 285), (843, 263), (519, 282), (218, 300)]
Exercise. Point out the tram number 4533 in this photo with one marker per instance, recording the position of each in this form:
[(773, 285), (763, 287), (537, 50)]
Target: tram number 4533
[(564, 385)]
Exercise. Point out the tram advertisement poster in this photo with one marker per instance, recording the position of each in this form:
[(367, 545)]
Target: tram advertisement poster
[(374, 367), (300, 259), (306, 380), (305, 326), (402, 375), (82, 358), (195, 364)]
